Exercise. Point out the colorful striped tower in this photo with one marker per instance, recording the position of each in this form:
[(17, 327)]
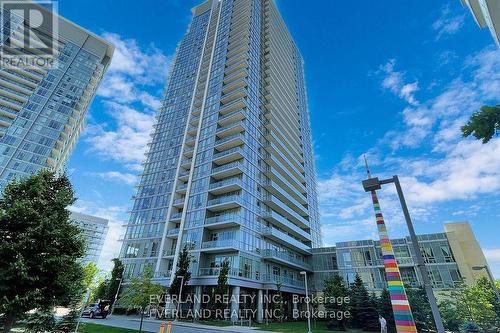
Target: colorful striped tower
[(400, 305)]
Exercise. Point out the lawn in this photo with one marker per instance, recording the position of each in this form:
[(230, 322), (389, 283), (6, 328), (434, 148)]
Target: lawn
[(94, 328), (298, 327)]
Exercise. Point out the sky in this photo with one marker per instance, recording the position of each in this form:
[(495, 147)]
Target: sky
[(391, 79)]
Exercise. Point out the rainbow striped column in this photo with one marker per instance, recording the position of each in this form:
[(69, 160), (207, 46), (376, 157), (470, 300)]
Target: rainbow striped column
[(400, 305)]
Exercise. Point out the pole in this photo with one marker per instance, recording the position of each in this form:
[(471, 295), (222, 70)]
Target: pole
[(180, 295), (495, 289), (307, 305), (116, 296), (87, 296), (420, 260)]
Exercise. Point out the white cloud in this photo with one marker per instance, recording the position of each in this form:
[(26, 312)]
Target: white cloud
[(493, 255), (395, 82), (127, 143), (130, 93), (126, 178), (445, 168), (447, 24)]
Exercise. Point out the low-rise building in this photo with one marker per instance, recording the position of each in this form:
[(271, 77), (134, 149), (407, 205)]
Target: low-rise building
[(449, 258)]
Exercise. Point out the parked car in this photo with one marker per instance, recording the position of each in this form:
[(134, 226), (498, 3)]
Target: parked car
[(99, 309)]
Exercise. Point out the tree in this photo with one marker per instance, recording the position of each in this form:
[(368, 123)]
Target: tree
[(449, 314), (483, 124), (335, 288), (384, 307), (182, 271), (140, 292), (39, 246), (278, 304), (222, 287), (114, 281), (101, 289), (420, 308)]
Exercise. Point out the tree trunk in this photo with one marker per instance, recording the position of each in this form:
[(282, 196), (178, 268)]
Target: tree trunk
[(8, 322), (142, 317)]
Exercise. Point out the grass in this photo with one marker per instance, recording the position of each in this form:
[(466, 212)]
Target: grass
[(298, 327), (94, 328)]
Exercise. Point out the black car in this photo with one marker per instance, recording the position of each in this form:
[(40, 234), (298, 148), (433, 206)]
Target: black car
[(99, 309)]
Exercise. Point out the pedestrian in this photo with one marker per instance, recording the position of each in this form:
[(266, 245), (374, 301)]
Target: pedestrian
[(383, 324)]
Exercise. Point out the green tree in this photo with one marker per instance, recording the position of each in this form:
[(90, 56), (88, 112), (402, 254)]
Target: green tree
[(384, 307), (140, 293), (483, 124), (356, 291), (334, 289), (278, 303), (101, 289), (449, 314), (39, 246), (222, 287), (182, 271), (114, 281), (420, 308)]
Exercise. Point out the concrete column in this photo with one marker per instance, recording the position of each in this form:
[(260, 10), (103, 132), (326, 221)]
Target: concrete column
[(260, 306), (197, 301), (235, 303)]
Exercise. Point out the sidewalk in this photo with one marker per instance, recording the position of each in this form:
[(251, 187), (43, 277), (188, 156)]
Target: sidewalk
[(153, 325)]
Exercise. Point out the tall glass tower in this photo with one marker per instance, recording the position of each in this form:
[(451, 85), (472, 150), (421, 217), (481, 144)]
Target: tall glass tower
[(43, 108), (230, 171)]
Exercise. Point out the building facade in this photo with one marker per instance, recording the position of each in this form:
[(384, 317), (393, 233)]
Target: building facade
[(43, 108), (449, 258), (94, 230), (487, 15), (230, 171)]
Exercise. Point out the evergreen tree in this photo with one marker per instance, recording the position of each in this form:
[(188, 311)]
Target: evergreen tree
[(421, 309), (222, 287), (335, 288), (39, 246), (363, 307), (385, 310), (278, 304), (100, 291), (182, 271)]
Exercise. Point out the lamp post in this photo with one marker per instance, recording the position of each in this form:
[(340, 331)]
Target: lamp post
[(485, 267), (307, 303), (180, 295), (374, 184), (116, 295)]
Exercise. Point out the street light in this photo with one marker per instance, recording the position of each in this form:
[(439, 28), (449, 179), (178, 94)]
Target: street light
[(180, 294), (374, 184), (478, 268), (307, 303), (116, 295)]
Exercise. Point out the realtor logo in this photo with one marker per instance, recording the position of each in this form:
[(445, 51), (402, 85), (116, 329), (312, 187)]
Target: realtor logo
[(28, 33)]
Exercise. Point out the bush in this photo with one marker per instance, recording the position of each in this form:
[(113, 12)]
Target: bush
[(470, 327)]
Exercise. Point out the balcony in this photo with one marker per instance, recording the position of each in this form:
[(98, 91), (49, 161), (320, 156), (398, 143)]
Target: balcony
[(284, 196), (285, 258), (234, 95), (220, 245), (286, 225), (230, 129), (230, 141), (173, 233), (224, 203), (231, 117), (185, 163), (182, 188), (162, 274), (179, 203), (233, 106), (169, 253), (227, 156), (215, 271), (283, 209), (227, 170), (222, 221), (184, 175), (241, 83), (283, 238), (175, 217), (284, 280), (226, 185)]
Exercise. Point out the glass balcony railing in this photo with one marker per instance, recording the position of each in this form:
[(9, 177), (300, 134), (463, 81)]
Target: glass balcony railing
[(285, 257), (227, 182), (225, 199), (228, 166), (284, 238), (223, 218), (225, 243), (285, 280)]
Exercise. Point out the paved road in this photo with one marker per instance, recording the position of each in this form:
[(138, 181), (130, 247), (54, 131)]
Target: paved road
[(150, 325)]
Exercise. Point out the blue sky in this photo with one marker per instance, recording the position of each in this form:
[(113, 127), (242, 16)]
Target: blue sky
[(393, 80)]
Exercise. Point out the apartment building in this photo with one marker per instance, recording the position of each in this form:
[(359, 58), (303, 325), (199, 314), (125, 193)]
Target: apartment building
[(229, 172), (43, 108), (94, 230)]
